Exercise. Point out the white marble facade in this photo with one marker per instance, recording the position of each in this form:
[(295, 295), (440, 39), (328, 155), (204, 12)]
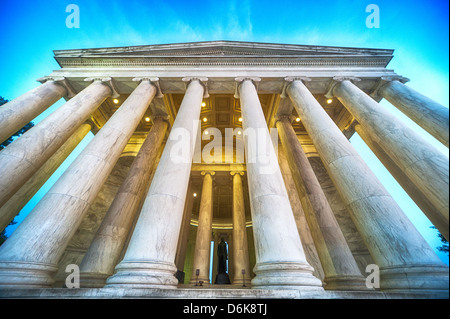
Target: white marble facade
[(308, 221)]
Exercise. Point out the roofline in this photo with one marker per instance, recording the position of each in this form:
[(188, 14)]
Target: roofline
[(259, 45)]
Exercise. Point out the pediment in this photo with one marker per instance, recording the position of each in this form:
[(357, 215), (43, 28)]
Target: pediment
[(219, 51), (222, 48), (222, 53)]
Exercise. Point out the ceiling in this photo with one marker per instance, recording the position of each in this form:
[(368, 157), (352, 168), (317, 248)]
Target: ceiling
[(221, 111)]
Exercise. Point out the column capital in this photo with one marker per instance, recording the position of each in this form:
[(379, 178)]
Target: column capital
[(90, 123), (288, 81), (153, 80), (203, 81), (337, 79), (161, 117), (60, 80), (106, 80), (212, 173), (232, 173), (283, 117), (239, 80), (382, 81)]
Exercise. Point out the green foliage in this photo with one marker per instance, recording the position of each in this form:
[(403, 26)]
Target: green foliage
[(444, 247)]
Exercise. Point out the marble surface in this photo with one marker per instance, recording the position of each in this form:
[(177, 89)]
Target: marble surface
[(36, 246), (18, 112), (378, 218)]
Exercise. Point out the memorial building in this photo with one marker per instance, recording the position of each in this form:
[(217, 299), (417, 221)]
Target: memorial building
[(222, 169)]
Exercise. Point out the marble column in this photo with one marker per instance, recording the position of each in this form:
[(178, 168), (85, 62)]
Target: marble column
[(149, 259), (20, 111), (22, 158), (202, 251), (426, 167), (280, 259), (13, 206), (240, 244), (103, 253), (405, 182), (430, 115), (405, 260), (339, 265), (29, 257)]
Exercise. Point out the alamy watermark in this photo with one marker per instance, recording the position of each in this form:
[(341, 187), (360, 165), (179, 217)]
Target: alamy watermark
[(257, 146), (373, 279), (73, 19), (73, 279), (373, 19)]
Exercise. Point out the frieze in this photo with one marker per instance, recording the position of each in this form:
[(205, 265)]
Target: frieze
[(207, 61)]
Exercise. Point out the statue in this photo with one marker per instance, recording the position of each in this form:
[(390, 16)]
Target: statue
[(222, 254)]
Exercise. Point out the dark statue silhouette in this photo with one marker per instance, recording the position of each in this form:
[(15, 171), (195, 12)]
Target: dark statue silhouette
[(222, 276)]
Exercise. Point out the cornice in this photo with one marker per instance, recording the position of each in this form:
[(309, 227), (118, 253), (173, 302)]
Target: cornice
[(112, 61), (220, 46)]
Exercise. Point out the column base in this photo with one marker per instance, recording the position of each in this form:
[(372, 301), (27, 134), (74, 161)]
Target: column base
[(204, 280), (93, 280), (142, 274), (420, 278), (26, 275), (241, 281), (346, 283), (285, 275)]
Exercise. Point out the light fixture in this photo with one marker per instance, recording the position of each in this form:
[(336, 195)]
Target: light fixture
[(205, 119), (329, 101), (205, 132), (147, 119), (195, 194), (203, 104), (240, 119), (239, 132), (297, 119), (116, 101)]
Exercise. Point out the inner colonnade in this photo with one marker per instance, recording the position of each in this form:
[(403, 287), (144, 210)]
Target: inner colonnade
[(254, 150)]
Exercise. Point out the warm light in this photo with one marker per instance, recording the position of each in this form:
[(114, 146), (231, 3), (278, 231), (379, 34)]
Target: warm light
[(240, 119), (329, 101), (147, 119), (116, 101), (203, 104), (205, 132), (205, 119), (195, 194), (239, 132), (297, 119)]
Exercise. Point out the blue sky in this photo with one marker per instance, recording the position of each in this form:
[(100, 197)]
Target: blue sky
[(417, 30)]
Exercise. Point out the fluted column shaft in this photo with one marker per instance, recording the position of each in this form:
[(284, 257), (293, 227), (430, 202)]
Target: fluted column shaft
[(427, 168), (149, 259), (18, 112), (13, 206), (430, 115), (280, 259), (339, 265), (202, 252), (22, 158), (29, 257), (103, 253), (405, 259), (416, 195), (240, 244)]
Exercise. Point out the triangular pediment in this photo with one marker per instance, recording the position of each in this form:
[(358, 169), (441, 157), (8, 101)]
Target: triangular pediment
[(222, 53), (221, 48)]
